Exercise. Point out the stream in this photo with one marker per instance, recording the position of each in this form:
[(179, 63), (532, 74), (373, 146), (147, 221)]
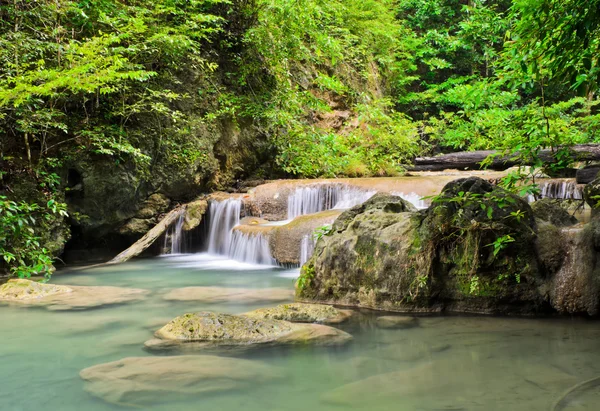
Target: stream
[(446, 363)]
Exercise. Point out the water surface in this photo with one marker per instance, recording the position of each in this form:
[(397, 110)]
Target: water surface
[(447, 363)]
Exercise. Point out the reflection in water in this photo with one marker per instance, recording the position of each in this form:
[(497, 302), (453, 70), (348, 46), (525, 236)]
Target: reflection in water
[(446, 363)]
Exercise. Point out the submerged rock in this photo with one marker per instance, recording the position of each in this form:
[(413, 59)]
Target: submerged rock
[(224, 294), (302, 313), (396, 322), (206, 330), (58, 297), (143, 381)]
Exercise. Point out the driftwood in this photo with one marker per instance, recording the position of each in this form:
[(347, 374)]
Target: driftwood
[(471, 160), (151, 236)]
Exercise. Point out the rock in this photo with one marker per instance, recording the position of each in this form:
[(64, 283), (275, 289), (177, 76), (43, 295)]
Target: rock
[(194, 212), (58, 298), (223, 294), (587, 174), (396, 322), (144, 381), (155, 204), (136, 227), (206, 330), (302, 313), (551, 246), (23, 290), (575, 288), (591, 193), (386, 256), (285, 241), (549, 210)]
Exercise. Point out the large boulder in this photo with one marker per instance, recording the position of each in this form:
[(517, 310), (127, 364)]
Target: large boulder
[(206, 330), (144, 381), (60, 298), (473, 250)]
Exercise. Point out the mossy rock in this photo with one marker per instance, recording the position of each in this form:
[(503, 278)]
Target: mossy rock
[(21, 289), (206, 330), (550, 210), (302, 313)]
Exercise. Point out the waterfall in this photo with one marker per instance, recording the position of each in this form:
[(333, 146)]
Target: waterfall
[(250, 248), (307, 247), (224, 216), (223, 239), (413, 198), (320, 197), (175, 237), (562, 189)]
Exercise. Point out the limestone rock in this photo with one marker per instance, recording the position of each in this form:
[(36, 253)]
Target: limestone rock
[(57, 298), (194, 212), (549, 210), (385, 255), (397, 322), (302, 313), (155, 204), (223, 294), (143, 381), (206, 330)]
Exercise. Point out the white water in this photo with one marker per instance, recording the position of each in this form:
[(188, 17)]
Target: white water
[(223, 217), (307, 247), (565, 190), (251, 248), (175, 237), (320, 197), (413, 198), (224, 240)]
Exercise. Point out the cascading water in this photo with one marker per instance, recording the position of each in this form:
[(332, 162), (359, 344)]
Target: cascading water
[(251, 248), (413, 198), (320, 197), (224, 240), (307, 247), (562, 189), (175, 241), (223, 217)]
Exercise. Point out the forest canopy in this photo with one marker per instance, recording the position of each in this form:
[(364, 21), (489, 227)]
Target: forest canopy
[(314, 88)]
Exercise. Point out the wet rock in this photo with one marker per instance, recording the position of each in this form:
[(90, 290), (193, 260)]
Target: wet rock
[(206, 330), (194, 212), (302, 313), (550, 210), (58, 298), (143, 381), (587, 174), (397, 322), (223, 294), (286, 240), (551, 246), (386, 256), (575, 288), (591, 193)]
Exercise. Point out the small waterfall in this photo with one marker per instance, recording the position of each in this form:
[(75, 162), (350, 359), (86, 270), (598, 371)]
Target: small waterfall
[(223, 239), (175, 240), (562, 189), (307, 247), (413, 198), (224, 216), (250, 248), (320, 197)]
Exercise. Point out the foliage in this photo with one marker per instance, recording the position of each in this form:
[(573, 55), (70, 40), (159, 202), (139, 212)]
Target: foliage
[(20, 240)]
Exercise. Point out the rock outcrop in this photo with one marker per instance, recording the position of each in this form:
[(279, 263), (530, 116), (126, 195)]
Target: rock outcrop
[(206, 330), (144, 381), (477, 249), (61, 298)]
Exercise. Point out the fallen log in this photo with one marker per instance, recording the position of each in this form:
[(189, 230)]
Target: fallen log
[(151, 236), (471, 160)]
